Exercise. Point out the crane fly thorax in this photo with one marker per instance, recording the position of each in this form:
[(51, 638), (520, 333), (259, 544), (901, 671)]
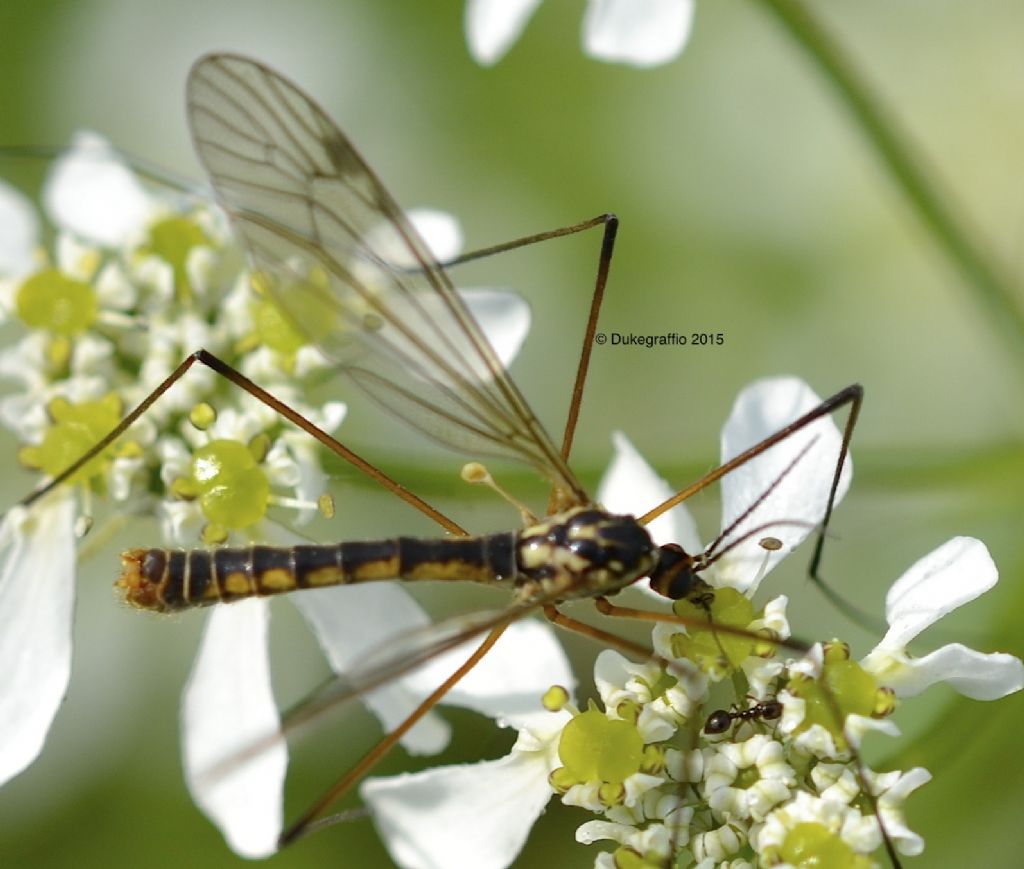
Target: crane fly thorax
[(582, 552)]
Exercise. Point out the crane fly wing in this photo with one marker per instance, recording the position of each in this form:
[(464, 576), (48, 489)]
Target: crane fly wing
[(393, 659), (344, 263), (407, 651)]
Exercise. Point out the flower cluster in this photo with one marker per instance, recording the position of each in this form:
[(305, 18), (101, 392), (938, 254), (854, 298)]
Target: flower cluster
[(776, 779), (674, 770), (116, 306), (136, 282), (734, 746)]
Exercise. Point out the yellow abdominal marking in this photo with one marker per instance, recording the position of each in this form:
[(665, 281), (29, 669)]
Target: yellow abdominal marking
[(453, 569), (324, 576), (277, 579), (236, 583), (384, 568)]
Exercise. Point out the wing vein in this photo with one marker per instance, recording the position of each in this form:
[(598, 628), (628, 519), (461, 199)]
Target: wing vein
[(346, 266)]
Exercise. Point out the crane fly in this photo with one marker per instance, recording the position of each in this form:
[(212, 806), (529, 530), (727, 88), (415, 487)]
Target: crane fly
[(335, 252)]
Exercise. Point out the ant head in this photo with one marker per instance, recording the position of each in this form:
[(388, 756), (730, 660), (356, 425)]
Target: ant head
[(675, 574)]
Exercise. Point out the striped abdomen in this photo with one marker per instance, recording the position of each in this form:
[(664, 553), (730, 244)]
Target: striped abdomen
[(166, 580)]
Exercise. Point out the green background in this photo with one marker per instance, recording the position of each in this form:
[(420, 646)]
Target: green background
[(750, 205)]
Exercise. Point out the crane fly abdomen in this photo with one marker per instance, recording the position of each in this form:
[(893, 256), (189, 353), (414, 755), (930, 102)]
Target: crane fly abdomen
[(582, 552), (168, 580)]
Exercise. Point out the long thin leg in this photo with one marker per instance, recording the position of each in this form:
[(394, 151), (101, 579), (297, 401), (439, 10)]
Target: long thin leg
[(853, 396), (606, 607), (228, 372), (611, 226), (527, 240), (557, 617), (308, 819), (224, 370)]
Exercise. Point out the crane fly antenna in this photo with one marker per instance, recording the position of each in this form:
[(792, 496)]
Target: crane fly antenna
[(712, 547), (853, 396)]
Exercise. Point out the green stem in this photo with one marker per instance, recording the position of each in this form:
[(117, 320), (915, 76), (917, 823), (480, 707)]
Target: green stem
[(992, 288)]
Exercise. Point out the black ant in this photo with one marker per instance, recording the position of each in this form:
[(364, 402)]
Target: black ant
[(721, 720)]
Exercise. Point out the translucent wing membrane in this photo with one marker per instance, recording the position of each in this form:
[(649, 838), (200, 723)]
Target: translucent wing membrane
[(396, 658), (406, 652), (340, 258)]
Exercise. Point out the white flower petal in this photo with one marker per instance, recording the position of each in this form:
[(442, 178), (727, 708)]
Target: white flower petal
[(632, 486), (504, 317), (612, 672), (227, 708), (37, 589), (423, 818), (596, 831), (957, 572), (92, 193), (638, 32), (353, 621), (114, 289), (859, 725), (974, 674), (439, 229), (493, 25), (510, 681), (20, 232), (893, 789), (762, 409)]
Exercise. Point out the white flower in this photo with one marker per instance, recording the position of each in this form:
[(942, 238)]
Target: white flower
[(619, 681), (841, 823), (229, 702), (760, 754), (954, 574), (718, 844), (891, 790), (781, 493), (235, 758), (25, 412), (650, 828), (20, 231), (422, 816), (36, 602), (819, 740), (798, 471), (637, 32), (91, 192)]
